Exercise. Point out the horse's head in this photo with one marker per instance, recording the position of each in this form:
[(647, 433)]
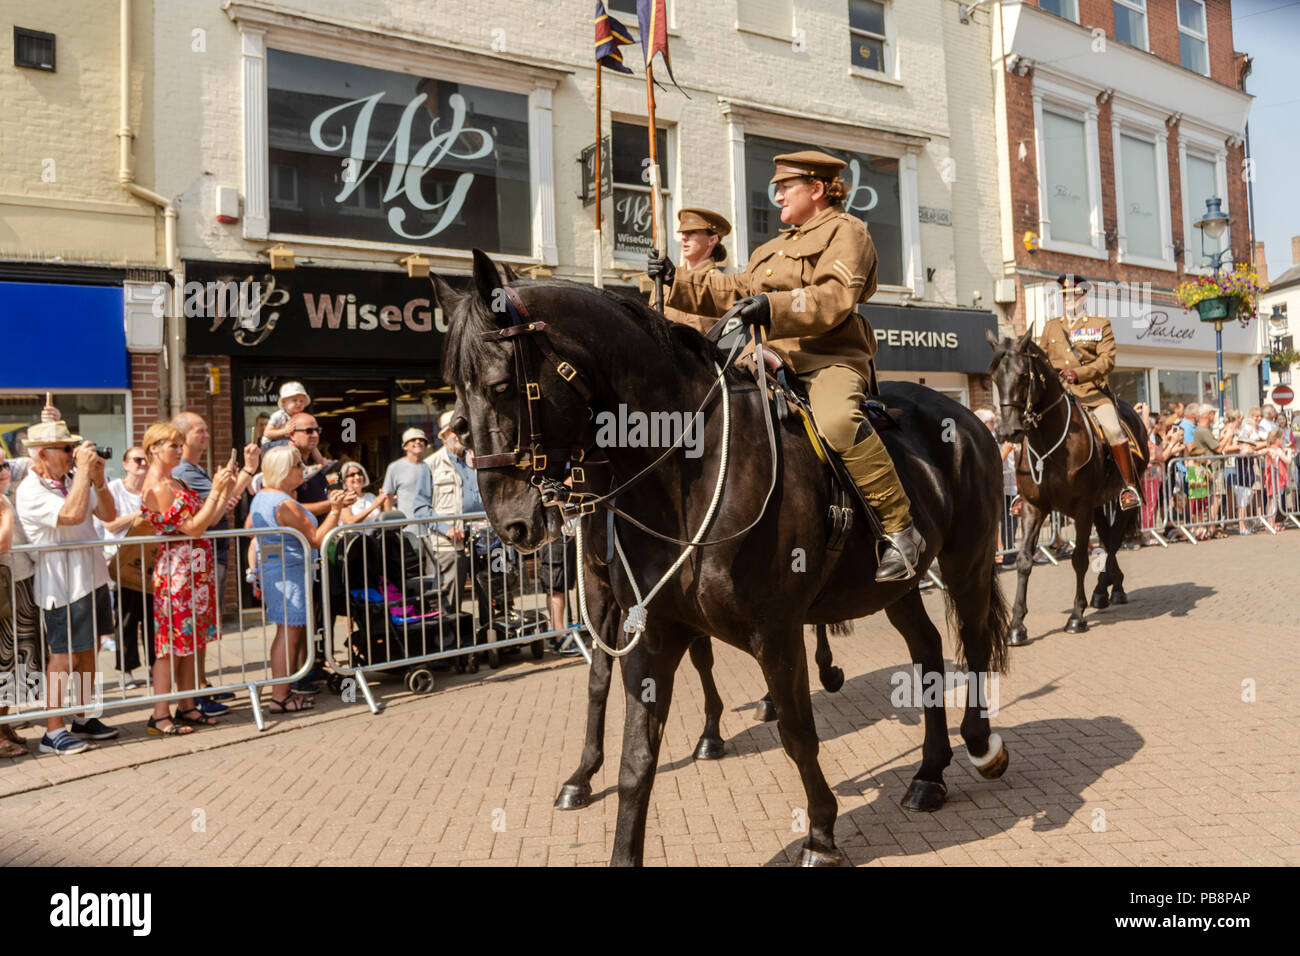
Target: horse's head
[(1018, 376), (521, 413)]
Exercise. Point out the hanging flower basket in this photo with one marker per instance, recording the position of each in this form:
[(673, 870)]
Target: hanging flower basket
[(1220, 308), (1223, 296)]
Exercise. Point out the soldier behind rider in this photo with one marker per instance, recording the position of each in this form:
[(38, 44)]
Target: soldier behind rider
[(804, 287), (1081, 348), (702, 232)]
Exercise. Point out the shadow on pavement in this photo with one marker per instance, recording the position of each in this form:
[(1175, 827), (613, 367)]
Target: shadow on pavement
[(1043, 784)]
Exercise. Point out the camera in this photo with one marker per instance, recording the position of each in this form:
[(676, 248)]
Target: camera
[(104, 452)]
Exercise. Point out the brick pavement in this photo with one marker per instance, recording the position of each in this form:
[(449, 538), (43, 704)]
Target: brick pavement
[(1140, 724)]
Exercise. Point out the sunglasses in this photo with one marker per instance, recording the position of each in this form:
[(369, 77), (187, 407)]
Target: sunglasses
[(138, 461), (66, 449), (309, 431), (4, 466)]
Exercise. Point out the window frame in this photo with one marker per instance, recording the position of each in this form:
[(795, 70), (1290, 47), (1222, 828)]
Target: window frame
[(1204, 38), (1206, 146), (666, 191), (1140, 7), (1074, 5), (1127, 120), (1075, 102), (887, 46)]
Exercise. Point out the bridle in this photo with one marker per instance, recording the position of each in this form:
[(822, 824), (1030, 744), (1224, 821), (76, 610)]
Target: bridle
[(1031, 419)]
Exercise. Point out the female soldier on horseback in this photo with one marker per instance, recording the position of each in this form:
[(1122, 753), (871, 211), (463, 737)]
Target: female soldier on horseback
[(803, 288), (1081, 348)]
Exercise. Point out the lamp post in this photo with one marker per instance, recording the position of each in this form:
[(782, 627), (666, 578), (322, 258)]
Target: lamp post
[(1213, 224)]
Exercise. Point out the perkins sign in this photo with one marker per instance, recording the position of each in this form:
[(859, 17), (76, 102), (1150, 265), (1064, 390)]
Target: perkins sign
[(314, 313), (930, 340)]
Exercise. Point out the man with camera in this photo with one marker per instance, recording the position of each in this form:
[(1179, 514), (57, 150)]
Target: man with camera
[(71, 586)]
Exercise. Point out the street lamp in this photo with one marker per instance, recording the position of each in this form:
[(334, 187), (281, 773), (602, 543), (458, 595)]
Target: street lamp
[(1213, 224)]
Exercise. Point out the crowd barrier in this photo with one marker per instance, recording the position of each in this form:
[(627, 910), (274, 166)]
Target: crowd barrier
[(239, 660), (410, 597)]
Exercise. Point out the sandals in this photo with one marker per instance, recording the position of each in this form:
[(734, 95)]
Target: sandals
[(292, 704), (9, 748), (203, 720), (173, 728)]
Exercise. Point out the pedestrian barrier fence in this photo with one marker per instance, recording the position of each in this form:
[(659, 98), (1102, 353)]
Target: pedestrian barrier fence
[(163, 591), (413, 592)]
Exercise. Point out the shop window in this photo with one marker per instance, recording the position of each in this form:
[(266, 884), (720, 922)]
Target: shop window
[(633, 222), (873, 187), (97, 416), (1069, 199), (284, 186), (1193, 40), (391, 157), (1141, 214), (1209, 396), (1069, 9), (868, 36), (1130, 384), (1176, 386), (1131, 22)]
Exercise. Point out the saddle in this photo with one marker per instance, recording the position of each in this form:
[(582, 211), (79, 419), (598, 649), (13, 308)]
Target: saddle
[(1135, 447)]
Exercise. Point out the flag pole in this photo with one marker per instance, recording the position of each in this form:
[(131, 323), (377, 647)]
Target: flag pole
[(656, 224), (597, 278)]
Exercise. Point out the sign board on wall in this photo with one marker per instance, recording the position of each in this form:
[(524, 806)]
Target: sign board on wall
[(930, 340)]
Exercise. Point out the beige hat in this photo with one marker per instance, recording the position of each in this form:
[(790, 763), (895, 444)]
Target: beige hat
[(290, 389), (809, 162), (689, 219), (412, 433), (444, 421), (51, 433)]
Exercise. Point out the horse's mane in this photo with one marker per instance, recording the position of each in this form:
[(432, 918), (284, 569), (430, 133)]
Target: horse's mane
[(465, 348)]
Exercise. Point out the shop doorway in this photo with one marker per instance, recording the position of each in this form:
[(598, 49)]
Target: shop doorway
[(361, 412)]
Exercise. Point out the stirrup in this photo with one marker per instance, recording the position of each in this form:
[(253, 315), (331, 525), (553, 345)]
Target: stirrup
[(1137, 495), (899, 542)]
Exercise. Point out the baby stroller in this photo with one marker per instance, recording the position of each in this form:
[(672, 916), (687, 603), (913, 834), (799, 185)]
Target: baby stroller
[(496, 580), (397, 610)]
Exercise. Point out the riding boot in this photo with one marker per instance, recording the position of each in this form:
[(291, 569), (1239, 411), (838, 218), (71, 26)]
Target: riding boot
[(873, 472), (1129, 498)]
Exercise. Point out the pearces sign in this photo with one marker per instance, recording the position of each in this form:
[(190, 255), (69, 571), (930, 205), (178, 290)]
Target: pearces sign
[(315, 313), (1172, 327), (388, 157)]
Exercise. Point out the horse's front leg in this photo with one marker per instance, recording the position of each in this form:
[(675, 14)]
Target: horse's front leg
[(1083, 531), (1033, 519), (710, 746), (606, 616), (648, 688)]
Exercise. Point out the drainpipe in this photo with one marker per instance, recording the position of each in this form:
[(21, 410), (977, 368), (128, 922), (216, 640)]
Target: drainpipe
[(171, 387)]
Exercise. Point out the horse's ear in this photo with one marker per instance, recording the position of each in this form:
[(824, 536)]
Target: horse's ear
[(444, 296), (991, 337), (487, 280), (1025, 340)]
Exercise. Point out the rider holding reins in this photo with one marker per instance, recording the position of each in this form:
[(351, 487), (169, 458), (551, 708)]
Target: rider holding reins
[(803, 288), (1082, 348)]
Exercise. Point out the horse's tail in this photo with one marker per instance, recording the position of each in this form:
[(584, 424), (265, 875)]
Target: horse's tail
[(832, 677), (997, 625)]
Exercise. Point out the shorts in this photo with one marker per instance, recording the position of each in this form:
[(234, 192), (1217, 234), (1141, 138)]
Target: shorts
[(83, 619), (555, 566)]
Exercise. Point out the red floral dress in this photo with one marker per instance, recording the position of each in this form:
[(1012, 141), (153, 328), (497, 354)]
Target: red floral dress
[(184, 584)]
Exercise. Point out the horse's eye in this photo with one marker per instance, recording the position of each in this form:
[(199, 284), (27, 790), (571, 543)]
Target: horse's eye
[(500, 388)]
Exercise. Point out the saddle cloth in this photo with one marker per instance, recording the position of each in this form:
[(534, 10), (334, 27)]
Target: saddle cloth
[(1135, 447)]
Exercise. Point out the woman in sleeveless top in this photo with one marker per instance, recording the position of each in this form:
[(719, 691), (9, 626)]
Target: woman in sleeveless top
[(285, 568)]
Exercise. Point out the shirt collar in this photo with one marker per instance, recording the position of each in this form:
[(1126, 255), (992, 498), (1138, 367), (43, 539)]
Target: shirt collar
[(814, 222)]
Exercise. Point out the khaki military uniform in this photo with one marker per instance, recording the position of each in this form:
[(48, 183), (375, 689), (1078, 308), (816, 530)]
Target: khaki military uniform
[(698, 322), (814, 277), (1093, 340)]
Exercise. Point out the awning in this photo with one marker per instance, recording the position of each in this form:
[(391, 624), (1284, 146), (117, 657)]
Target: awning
[(62, 337), (930, 340)]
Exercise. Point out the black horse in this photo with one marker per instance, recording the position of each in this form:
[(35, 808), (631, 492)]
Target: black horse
[(1061, 466), (531, 374)]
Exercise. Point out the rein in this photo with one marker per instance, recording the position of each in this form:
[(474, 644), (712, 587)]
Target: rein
[(1038, 462)]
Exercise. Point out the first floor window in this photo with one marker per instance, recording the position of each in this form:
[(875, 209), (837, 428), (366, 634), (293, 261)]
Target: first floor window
[(873, 196), (1069, 202), (1069, 9), (1140, 216), (1201, 176), (97, 416), (1193, 42), (867, 34), (1131, 22)]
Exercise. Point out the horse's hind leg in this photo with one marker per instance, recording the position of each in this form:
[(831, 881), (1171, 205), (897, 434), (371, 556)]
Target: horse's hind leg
[(926, 792), (1033, 519), (1124, 522), (710, 746), (1106, 525), (576, 791), (785, 666), (648, 690), (981, 613)]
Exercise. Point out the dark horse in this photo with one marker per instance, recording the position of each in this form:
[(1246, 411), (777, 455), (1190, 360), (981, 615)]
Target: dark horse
[(562, 353), (1074, 475)]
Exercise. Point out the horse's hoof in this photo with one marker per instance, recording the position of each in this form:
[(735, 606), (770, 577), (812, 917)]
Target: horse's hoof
[(833, 679), (1076, 625), (765, 712), (1018, 637), (831, 857), (1118, 596), (924, 796), (710, 748), (995, 760), (1100, 600), (573, 797)]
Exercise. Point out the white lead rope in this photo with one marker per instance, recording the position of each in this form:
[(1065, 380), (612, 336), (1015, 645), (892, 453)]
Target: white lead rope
[(636, 616), (1038, 462)]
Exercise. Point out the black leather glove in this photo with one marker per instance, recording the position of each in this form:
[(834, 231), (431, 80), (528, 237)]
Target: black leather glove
[(660, 268), (756, 310)]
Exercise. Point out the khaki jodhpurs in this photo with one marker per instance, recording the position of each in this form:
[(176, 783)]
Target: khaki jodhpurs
[(835, 394), (1108, 418)]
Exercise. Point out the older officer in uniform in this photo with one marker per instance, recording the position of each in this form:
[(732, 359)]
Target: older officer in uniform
[(804, 287), (702, 232), (1082, 348)]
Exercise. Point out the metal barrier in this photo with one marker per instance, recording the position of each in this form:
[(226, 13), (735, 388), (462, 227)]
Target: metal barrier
[(31, 687), (401, 585)]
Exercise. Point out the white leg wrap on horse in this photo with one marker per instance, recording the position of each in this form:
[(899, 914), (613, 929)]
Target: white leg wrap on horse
[(995, 748)]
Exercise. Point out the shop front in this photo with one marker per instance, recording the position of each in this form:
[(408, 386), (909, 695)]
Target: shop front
[(943, 349), (67, 342), (366, 344)]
